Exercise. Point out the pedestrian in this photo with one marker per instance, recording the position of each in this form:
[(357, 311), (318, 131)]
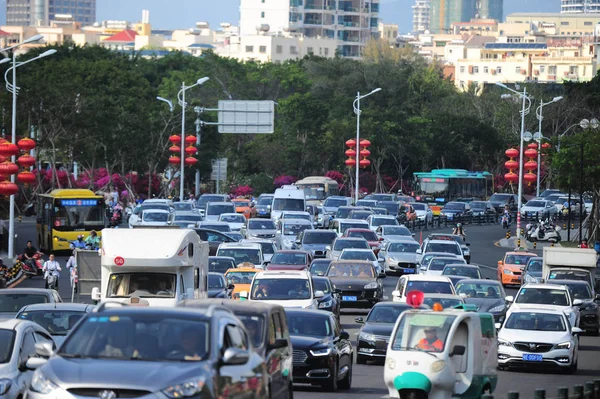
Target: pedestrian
[(584, 243), (51, 268), (115, 196)]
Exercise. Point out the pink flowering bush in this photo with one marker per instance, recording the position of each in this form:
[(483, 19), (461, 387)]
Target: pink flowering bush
[(283, 180), (242, 191)]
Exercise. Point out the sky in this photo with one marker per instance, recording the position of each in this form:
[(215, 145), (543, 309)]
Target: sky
[(171, 14)]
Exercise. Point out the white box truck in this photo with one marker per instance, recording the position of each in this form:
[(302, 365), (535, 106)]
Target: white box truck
[(561, 263)]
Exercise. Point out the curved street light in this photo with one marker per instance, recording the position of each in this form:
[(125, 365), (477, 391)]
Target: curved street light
[(540, 117), (357, 111)]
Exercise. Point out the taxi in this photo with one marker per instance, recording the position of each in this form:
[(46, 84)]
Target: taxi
[(241, 278), (510, 269), (245, 207)]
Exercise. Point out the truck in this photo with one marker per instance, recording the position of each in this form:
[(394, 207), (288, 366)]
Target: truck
[(160, 266), (570, 264)]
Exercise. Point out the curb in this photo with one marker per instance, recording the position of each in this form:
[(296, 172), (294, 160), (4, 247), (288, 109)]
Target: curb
[(19, 281)]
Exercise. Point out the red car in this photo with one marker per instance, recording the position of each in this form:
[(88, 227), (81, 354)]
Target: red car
[(368, 235), (290, 260)]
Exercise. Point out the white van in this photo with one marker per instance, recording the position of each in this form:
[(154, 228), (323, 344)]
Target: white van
[(162, 266), (215, 209), (289, 198), (243, 252)]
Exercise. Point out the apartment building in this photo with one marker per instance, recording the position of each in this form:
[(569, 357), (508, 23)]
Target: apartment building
[(579, 6), (420, 22), (42, 12), (563, 23)]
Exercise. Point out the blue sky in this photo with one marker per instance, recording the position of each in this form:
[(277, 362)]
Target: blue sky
[(169, 14)]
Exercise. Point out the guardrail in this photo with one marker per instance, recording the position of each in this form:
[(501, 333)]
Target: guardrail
[(590, 390), (439, 222)]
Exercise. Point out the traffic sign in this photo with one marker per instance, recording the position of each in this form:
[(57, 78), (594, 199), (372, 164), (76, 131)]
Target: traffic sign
[(219, 169), (246, 117)]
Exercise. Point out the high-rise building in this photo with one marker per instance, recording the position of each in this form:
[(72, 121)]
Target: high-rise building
[(579, 6), (443, 13), (491, 9), (351, 22), (421, 16), (41, 12)]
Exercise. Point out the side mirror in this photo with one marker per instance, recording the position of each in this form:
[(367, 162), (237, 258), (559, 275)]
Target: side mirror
[(34, 362), (498, 326), (359, 320), (231, 287), (319, 294), (510, 299), (235, 357), (458, 350), (396, 293), (44, 349), (418, 252), (522, 268), (500, 263), (576, 330), (468, 244), (96, 295), (344, 335), (597, 297), (381, 238), (328, 248), (577, 302), (413, 234), (423, 268), (278, 344), (337, 291), (381, 275)]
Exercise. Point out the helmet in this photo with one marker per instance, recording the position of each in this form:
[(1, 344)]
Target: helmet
[(80, 237), (458, 225)]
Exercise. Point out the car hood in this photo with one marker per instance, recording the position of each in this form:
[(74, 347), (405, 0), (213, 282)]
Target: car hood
[(314, 247), (498, 203), (351, 283), (531, 209), (140, 375), (447, 211), (302, 342), (485, 304), (378, 329), (262, 232), (275, 266), (290, 303), (403, 256), (550, 337)]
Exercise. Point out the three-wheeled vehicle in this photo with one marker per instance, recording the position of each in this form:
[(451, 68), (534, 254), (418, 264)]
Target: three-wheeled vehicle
[(442, 354)]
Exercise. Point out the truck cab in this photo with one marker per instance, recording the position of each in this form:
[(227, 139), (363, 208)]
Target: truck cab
[(560, 263)]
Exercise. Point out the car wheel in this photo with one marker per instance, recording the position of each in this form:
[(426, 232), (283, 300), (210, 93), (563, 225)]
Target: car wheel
[(572, 368), (361, 359), (346, 383), (332, 384)]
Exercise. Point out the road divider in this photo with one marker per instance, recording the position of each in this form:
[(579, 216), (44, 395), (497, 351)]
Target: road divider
[(590, 390)]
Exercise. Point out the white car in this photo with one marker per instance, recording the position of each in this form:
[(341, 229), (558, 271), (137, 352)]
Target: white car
[(288, 231), (425, 284), (242, 252), (235, 220), (436, 265), (447, 246), (289, 288), (136, 216), (156, 218), (533, 337), (394, 233), (376, 221), (424, 213), (539, 209), (268, 246), (548, 296), (341, 243), (297, 215), (361, 254)]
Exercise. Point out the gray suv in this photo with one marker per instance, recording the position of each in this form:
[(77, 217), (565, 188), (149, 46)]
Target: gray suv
[(130, 351)]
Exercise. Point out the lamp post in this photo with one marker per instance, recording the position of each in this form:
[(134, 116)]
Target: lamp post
[(538, 136), (357, 111), (524, 111), (12, 87)]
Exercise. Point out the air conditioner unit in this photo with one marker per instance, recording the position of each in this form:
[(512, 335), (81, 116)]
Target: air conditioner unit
[(536, 72), (493, 71)]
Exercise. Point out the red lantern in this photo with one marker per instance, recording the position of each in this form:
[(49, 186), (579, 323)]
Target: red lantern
[(7, 188), (365, 153), (350, 162), (175, 139), (26, 144), (174, 160), (545, 146), (364, 163), (3, 158), (8, 168), (26, 177), (530, 153), (532, 146), (365, 143), (189, 161), (191, 150), (190, 140), (175, 148), (511, 177), (512, 164), (351, 143), (512, 153), (350, 153), (26, 160), (529, 177), (531, 165), (8, 149)]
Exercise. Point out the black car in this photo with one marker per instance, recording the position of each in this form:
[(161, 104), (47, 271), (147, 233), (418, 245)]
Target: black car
[(457, 211), (331, 301), (392, 207), (318, 267), (589, 311), (316, 241), (218, 287), (323, 352), (500, 200), (220, 264), (214, 239), (487, 295), (343, 212), (482, 208), (263, 206), (374, 335), (358, 281)]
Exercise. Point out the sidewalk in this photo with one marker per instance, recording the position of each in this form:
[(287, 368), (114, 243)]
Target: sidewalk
[(512, 242)]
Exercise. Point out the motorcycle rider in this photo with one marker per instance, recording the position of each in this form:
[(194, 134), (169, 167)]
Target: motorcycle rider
[(28, 255), (93, 241), (72, 266), (458, 230), (79, 243), (51, 268)]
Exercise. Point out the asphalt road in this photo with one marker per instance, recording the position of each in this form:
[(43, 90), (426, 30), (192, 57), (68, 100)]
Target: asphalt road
[(368, 379)]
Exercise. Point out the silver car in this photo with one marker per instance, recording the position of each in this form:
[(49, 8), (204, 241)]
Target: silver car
[(13, 299), (341, 243), (288, 231), (259, 229), (399, 257)]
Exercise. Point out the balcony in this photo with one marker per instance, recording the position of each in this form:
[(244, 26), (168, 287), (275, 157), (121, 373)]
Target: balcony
[(579, 60), (313, 21)]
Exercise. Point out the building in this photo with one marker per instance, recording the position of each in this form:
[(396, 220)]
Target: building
[(42, 12), (491, 9), (388, 32), (562, 23), (421, 16), (351, 22), (579, 6), (444, 13)]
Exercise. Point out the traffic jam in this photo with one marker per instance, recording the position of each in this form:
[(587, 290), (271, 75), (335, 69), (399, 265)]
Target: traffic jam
[(221, 297)]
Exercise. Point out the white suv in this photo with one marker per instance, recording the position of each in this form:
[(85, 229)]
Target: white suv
[(425, 284), (446, 246), (243, 252), (290, 289)]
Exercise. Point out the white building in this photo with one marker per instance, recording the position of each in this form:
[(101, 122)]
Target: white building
[(421, 16), (351, 22), (579, 6)]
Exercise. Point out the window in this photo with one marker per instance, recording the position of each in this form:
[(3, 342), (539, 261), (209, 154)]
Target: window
[(552, 70), (475, 69), (486, 70), (542, 68), (235, 338), (462, 69), (293, 50), (279, 49), (27, 348), (262, 49), (40, 337), (518, 69), (262, 14), (588, 23), (564, 23), (499, 70), (310, 51), (277, 326), (326, 52), (249, 49)]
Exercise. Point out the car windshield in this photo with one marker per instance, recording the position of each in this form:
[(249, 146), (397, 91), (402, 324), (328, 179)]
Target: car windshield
[(342, 244), (280, 289), (240, 277), (321, 284), (224, 228), (56, 322), (241, 255), (264, 201), (350, 270), (535, 322), (288, 258), (349, 225), (342, 213), (430, 287), (568, 275), (470, 272), (391, 207), (478, 205), (216, 209), (7, 338), (292, 229), (256, 224), (360, 215), (386, 313), (419, 207), (454, 206), (350, 254), (441, 247), (579, 290), (319, 268), (500, 197), (242, 204), (479, 290), (396, 231), (543, 296), (384, 222), (188, 218), (143, 285), (422, 332), (406, 247), (440, 263), (303, 216), (267, 248), (12, 302), (155, 217), (383, 197), (232, 218), (220, 265), (536, 204), (205, 199), (183, 206), (334, 202), (309, 324), (142, 336), (288, 204), (366, 203), (535, 265), (516, 259), (320, 237), (445, 302), (367, 235), (215, 281), (255, 325)]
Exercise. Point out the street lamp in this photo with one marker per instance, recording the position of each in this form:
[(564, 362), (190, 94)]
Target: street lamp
[(14, 89), (524, 111), (584, 124), (538, 136), (357, 111)]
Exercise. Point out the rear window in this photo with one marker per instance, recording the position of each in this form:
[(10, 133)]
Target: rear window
[(430, 287), (12, 303), (220, 265), (219, 209), (439, 247), (343, 244), (367, 235)]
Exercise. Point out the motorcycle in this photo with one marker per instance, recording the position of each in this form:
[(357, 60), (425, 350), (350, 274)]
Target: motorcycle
[(3, 277), (52, 282), (31, 267), (542, 231)]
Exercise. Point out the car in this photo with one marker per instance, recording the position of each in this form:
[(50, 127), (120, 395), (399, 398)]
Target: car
[(288, 231), (316, 241), (18, 339), (263, 206), (241, 278), (245, 207), (361, 254), (539, 209), (392, 207), (456, 211), (184, 219), (426, 258), (562, 201), (58, 319), (447, 246), (319, 266), (456, 279), (358, 281), (331, 301), (14, 299), (334, 202), (288, 288), (487, 295), (368, 235), (532, 338), (235, 220), (136, 217), (375, 221), (546, 296), (343, 212), (589, 311), (454, 269), (323, 352), (500, 200), (424, 212), (342, 243), (242, 253), (214, 238), (360, 214), (379, 211), (532, 273), (510, 268), (290, 260), (382, 197), (425, 284), (399, 257), (155, 218), (185, 206), (298, 215), (236, 235), (218, 286), (366, 203), (223, 227), (483, 208), (549, 192), (464, 246), (392, 233), (215, 209), (220, 264), (205, 199), (446, 301), (567, 273), (436, 265), (374, 334), (341, 225), (267, 245), (181, 346), (323, 218)]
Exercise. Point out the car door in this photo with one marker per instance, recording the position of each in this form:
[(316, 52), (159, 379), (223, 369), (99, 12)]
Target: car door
[(275, 357), (233, 378), (26, 348), (343, 346)]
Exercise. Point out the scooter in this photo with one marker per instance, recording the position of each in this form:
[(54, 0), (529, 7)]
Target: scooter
[(542, 232), (52, 282), (31, 267)]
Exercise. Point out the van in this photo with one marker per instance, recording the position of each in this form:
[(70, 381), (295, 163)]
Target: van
[(287, 199), (243, 252), (215, 209)]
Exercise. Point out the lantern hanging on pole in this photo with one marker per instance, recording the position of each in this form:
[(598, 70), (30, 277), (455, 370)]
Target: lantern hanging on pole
[(189, 161), (175, 139), (364, 153), (532, 146), (546, 146), (531, 166), (26, 177), (174, 160), (7, 188), (190, 140), (8, 168), (26, 161), (191, 150), (350, 153), (8, 149), (175, 148), (511, 177), (26, 144)]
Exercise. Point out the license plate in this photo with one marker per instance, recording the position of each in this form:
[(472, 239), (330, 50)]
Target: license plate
[(450, 216), (409, 270), (262, 212), (349, 298), (532, 358)]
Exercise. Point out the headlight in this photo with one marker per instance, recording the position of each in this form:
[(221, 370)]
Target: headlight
[(5, 385), (497, 309), (186, 389), (502, 342), (589, 306), (326, 304), (564, 345), (438, 366), (253, 235), (392, 260), (506, 271), (530, 279), (391, 363), (370, 286), (367, 337), (41, 384), (320, 352)]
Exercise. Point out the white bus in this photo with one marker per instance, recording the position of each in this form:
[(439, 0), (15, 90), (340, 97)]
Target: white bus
[(317, 188)]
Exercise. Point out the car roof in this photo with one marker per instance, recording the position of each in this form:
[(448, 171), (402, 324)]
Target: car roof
[(567, 282), (309, 312), (383, 217), (315, 231), (156, 210), (350, 238), (292, 251), (544, 286), (533, 307), (407, 240), (352, 221), (220, 203), (296, 221), (463, 265), (521, 253), (423, 277), (241, 306), (358, 249), (9, 291), (480, 281), (284, 274), (359, 230), (220, 257), (213, 223), (446, 296), (11, 324), (231, 214), (243, 269), (65, 306), (351, 262), (240, 245), (434, 241)]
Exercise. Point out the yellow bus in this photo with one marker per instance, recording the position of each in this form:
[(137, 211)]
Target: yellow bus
[(64, 214)]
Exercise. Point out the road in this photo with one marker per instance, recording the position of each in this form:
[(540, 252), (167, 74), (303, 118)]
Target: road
[(368, 379)]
